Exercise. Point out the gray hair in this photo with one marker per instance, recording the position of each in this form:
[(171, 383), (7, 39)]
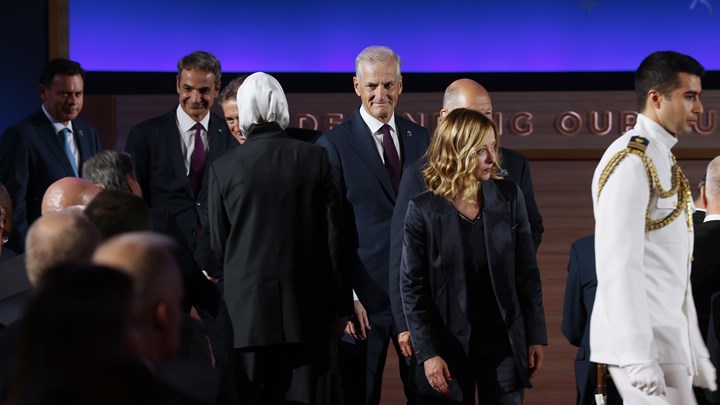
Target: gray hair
[(109, 169), (57, 238), (229, 92), (712, 178), (200, 60), (376, 54)]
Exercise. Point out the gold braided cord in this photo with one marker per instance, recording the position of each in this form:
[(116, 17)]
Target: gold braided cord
[(679, 186)]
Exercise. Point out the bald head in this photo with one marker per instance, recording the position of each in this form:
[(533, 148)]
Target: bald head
[(68, 192), (59, 237), (712, 187), (145, 255), (466, 93), (148, 258)]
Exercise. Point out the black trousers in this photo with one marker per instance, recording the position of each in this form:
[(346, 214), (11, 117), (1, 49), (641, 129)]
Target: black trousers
[(495, 374), (362, 362), (296, 373)]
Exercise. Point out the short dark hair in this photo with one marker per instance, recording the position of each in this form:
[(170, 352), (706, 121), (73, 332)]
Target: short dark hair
[(109, 169), (229, 92), (116, 212), (660, 70), (200, 60), (60, 67)]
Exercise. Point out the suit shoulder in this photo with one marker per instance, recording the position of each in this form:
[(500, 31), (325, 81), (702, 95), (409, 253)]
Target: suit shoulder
[(154, 122), (218, 120), (585, 243), (510, 155), (406, 123), (426, 199), (344, 129)]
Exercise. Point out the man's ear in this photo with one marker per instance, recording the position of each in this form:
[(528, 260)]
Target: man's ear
[(703, 196), (655, 98), (356, 85), (161, 314), (42, 90), (443, 113)]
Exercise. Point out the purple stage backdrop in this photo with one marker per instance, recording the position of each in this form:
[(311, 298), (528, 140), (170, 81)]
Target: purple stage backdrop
[(449, 36)]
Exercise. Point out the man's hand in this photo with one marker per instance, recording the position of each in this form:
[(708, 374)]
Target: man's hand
[(535, 359), (706, 375), (437, 374), (647, 377), (405, 344), (357, 326)]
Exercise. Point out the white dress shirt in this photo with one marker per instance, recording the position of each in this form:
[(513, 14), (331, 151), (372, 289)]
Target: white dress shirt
[(69, 136), (374, 124), (186, 127)]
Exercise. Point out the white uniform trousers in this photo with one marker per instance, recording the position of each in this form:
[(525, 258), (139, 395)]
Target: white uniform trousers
[(677, 382)]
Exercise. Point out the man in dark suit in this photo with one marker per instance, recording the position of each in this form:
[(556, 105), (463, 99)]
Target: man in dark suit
[(462, 93), (577, 308), (273, 213), (171, 151), (46, 146), (369, 152), (705, 274)]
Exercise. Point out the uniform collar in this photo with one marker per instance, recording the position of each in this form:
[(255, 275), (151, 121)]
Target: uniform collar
[(650, 129)]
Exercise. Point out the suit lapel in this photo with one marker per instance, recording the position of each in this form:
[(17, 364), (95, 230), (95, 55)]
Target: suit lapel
[(172, 142), (410, 145), (360, 139), (83, 143), (218, 144), (498, 236), (46, 131)]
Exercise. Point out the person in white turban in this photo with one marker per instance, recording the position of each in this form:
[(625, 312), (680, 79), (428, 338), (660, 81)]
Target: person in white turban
[(273, 214)]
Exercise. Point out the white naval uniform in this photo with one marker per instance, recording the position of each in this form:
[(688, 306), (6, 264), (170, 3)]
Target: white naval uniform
[(644, 309)]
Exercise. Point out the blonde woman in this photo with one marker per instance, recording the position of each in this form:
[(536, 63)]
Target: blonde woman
[(469, 280)]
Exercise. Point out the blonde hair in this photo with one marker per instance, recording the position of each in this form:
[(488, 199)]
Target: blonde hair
[(452, 155)]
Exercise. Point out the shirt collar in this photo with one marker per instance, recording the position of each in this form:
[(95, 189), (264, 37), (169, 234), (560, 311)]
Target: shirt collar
[(55, 123), (712, 217), (650, 129), (374, 124), (187, 123)]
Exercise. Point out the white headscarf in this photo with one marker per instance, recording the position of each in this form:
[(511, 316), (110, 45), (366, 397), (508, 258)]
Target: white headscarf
[(261, 99)]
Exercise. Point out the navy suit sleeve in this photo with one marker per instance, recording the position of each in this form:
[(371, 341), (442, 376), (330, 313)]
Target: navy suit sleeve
[(527, 279), (408, 189), (217, 218), (414, 284), (534, 217), (14, 174), (341, 292), (335, 163), (574, 311), (519, 173)]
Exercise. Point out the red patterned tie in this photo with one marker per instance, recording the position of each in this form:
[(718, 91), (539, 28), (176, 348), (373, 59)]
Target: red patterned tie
[(392, 161), (197, 162)]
